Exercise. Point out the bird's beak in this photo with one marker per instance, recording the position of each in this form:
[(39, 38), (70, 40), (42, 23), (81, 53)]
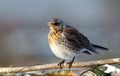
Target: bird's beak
[(48, 23)]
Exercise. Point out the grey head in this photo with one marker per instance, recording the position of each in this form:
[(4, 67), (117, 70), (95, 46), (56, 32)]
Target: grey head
[(56, 24)]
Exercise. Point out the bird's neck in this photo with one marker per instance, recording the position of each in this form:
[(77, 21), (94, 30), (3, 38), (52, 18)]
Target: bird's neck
[(56, 30)]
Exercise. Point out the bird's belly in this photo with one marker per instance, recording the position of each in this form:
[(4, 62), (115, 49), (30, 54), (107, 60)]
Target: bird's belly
[(63, 51)]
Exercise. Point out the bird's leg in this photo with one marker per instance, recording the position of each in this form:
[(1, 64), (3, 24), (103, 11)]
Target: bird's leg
[(70, 63), (61, 63)]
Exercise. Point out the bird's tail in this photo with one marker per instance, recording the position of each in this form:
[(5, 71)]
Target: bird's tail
[(100, 47)]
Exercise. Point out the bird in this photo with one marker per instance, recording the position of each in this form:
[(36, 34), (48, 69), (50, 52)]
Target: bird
[(66, 42)]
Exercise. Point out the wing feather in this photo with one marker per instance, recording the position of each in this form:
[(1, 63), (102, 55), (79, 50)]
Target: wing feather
[(78, 39)]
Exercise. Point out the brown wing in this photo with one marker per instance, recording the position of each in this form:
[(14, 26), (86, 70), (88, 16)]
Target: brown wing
[(73, 35)]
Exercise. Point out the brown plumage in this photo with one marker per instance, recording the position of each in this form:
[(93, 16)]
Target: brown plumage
[(66, 41)]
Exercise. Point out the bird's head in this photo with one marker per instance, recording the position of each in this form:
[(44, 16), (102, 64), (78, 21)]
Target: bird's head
[(56, 24)]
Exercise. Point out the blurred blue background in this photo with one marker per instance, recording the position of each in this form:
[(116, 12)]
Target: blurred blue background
[(23, 29)]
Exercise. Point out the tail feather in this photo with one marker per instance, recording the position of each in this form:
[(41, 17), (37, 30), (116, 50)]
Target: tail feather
[(99, 47)]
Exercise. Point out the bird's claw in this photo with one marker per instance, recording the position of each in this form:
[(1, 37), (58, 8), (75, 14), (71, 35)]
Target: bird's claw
[(61, 64), (70, 63)]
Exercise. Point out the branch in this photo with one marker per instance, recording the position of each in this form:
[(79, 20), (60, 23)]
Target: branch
[(55, 66)]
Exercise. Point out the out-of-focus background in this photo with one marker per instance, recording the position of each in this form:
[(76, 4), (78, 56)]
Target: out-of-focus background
[(23, 29)]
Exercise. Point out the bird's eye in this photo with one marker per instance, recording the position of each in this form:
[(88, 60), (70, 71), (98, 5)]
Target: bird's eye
[(56, 24)]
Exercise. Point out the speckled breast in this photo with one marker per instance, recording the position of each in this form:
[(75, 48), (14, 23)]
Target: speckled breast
[(61, 47)]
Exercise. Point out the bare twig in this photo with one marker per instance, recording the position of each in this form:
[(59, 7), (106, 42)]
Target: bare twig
[(85, 72), (55, 66)]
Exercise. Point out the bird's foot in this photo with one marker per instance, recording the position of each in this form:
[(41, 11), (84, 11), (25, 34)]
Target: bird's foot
[(70, 63), (61, 64)]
